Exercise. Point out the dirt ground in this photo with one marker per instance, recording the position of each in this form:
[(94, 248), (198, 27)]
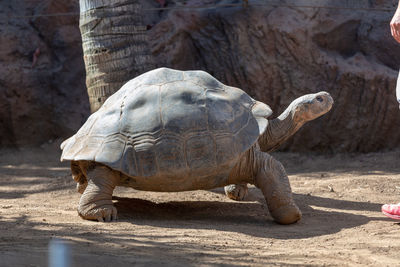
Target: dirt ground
[(340, 197)]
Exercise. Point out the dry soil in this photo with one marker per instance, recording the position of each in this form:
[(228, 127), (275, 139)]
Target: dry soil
[(340, 197)]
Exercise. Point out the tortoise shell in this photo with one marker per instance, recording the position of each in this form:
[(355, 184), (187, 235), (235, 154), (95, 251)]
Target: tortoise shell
[(170, 122)]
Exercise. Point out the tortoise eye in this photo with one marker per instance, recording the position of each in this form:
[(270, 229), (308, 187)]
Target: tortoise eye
[(320, 99)]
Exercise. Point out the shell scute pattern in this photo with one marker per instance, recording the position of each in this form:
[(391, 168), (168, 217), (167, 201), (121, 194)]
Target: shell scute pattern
[(109, 123), (89, 147), (147, 161), (139, 113), (170, 154), (246, 135), (161, 76), (203, 79), (129, 162), (168, 122), (225, 150), (111, 151), (179, 101), (201, 153), (226, 113)]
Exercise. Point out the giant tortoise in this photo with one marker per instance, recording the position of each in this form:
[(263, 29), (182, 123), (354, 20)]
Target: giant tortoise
[(169, 131)]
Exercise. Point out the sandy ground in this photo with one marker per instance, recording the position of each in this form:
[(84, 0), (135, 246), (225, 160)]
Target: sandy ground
[(340, 197)]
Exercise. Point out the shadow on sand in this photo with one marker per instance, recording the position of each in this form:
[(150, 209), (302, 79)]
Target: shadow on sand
[(251, 218)]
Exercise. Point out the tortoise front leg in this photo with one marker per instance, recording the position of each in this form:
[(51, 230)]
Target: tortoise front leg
[(236, 191), (96, 201), (272, 179)]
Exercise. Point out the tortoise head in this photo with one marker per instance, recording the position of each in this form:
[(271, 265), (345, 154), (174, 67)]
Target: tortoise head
[(312, 106)]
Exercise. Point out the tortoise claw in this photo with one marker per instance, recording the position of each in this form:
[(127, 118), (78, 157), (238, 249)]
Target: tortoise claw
[(236, 192), (105, 213)]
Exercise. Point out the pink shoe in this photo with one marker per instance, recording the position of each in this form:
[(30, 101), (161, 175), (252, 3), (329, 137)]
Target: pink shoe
[(392, 211)]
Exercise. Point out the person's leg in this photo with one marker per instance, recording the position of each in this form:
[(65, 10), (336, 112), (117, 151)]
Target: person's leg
[(398, 88), (393, 210)]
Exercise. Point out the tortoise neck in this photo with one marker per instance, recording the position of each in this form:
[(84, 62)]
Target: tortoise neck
[(279, 130)]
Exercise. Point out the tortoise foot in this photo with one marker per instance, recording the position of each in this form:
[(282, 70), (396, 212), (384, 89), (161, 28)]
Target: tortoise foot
[(103, 213), (287, 214), (236, 192)]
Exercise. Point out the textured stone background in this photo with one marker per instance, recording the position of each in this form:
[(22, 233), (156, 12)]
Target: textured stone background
[(47, 100), (274, 53)]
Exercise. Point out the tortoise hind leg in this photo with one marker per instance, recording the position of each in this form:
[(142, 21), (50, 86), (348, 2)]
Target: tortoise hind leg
[(272, 179), (236, 191), (79, 176), (96, 201)]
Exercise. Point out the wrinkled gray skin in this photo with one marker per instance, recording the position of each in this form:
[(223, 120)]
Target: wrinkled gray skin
[(300, 111), (171, 131)]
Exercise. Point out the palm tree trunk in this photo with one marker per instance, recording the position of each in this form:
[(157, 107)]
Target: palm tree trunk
[(114, 44)]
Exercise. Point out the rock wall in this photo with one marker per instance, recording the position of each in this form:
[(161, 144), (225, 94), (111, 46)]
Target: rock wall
[(278, 53), (275, 53), (42, 90)]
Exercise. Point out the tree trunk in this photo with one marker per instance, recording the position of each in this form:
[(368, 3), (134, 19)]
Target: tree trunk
[(114, 44)]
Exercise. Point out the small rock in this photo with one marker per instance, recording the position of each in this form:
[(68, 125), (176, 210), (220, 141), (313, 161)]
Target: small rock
[(330, 187)]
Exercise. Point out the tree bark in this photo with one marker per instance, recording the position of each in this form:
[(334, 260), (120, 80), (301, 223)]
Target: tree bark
[(114, 45)]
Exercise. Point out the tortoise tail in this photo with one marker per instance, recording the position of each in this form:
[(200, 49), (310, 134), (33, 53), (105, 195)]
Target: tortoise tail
[(79, 176)]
